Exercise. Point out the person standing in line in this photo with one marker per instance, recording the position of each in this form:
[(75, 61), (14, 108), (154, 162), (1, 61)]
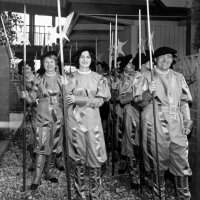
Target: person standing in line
[(30, 107), (116, 111), (173, 122), (130, 139), (49, 118), (86, 92)]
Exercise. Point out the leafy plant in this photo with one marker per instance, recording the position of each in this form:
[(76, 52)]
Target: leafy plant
[(11, 21)]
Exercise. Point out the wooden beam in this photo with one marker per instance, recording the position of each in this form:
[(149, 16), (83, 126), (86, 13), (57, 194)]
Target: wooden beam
[(127, 10), (95, 27), (89, 37), (114, 2), (109, 19)]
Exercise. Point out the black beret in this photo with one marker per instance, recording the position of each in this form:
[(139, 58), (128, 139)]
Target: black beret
[(124, 61), (144, 59), (119, 59), (165, 50)]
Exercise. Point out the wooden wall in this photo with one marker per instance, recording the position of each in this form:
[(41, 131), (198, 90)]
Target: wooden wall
[(4, 84), (166, 33)]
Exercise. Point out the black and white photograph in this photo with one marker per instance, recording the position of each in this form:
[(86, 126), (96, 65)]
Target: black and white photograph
[(100, 99)]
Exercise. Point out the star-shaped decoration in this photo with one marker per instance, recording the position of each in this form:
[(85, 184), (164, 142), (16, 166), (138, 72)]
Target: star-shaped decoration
[(15, 61), (68, 22), (20, 39), (53, 36), (120, 45), (151, 41), (143, 44)]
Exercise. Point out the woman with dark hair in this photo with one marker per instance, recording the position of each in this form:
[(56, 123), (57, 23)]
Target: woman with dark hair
[(86, 92), (30, 107), (92, 55), (49, 118), (30, 67)]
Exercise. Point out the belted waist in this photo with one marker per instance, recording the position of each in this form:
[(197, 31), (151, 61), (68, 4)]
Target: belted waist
[(51, 100), (169, 109)]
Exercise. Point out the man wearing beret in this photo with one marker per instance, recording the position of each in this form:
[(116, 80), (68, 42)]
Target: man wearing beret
[(173, 122)]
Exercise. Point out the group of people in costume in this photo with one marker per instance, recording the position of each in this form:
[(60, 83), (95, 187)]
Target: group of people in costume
[(151, 106)]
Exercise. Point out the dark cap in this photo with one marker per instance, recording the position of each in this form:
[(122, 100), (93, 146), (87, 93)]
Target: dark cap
[(144, 59), (124, 61), (165, 50)]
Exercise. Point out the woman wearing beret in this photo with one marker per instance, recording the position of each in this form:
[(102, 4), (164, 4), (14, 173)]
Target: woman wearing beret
[(173, 122), (86, 92)]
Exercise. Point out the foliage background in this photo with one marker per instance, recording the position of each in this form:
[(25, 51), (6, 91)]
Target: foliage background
[(10, 20)]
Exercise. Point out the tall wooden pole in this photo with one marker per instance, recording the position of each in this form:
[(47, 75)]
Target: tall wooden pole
[(116, 45), (24, 102), (140, 112), (114, 103), (140, 32), (96, 52), (110, 48), (70, 56), (65, 133), (154, 103)]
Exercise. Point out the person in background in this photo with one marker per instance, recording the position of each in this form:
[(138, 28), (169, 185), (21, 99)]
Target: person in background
[(30, 106), (173, 122), (145, 61), (102, 69), (116, 111), (130, 139), (86, 92)]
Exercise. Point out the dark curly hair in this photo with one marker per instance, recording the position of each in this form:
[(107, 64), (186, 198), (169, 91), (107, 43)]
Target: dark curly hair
[(78, 53), (29, 62)]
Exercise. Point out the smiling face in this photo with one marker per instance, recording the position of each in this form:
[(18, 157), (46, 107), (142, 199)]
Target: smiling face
[(29, 71), (50, 64), (130, 68), (164, 61), (85, 60)]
